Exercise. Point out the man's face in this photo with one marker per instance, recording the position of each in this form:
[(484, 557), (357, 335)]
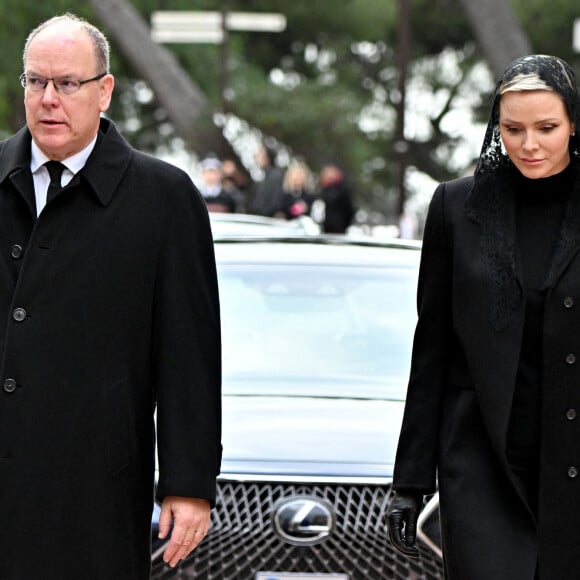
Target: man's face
[(211, 176), (62, 125)]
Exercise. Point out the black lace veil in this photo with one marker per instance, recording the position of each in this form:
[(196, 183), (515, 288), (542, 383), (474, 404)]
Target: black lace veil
[(490, 201), (558, 75)]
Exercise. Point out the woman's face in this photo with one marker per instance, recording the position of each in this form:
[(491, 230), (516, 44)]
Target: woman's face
[(297, 178), (535, 130)]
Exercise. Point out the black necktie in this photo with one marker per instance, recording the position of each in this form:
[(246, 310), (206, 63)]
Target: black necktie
[(55, 169)]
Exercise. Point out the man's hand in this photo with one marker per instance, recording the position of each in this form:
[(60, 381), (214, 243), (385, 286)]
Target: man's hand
[(402, 513), (190, 518)]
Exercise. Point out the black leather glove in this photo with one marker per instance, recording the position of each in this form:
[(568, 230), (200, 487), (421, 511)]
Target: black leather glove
[(403, 510)]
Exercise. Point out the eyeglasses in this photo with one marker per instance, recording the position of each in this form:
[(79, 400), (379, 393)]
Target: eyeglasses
[(64, 85)]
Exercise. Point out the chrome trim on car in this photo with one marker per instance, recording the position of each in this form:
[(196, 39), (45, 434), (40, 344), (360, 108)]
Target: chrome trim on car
[(159, 551), (429, 510), (252, 477)]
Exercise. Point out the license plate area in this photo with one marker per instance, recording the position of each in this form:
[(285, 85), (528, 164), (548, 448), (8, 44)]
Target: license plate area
[(298, 576)]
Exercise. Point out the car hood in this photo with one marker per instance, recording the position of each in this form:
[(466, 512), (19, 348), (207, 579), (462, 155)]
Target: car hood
[(271, 434)]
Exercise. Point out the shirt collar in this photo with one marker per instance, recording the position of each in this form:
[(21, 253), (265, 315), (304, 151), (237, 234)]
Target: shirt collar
[(74, 163)]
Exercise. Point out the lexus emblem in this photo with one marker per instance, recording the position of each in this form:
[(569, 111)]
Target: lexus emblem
[(303, 520)]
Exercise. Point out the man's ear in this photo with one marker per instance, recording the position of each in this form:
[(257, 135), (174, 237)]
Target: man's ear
[(106, 85)]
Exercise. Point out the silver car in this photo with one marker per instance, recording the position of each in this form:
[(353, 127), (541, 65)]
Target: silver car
[(317, 336)]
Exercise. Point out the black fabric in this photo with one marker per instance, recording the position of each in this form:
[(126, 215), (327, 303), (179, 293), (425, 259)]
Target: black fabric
[(122, 325), (55, 169), (491, 204), (476, 300), (269, 191), (540, 205)]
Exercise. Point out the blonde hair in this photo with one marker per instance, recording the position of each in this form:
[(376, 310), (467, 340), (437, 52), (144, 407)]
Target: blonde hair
[(524, 82), (298, 171)]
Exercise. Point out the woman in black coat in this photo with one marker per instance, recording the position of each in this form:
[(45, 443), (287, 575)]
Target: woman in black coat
[(492, 403), (298, 191)]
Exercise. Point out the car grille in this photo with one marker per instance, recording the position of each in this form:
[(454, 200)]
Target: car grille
[(242, 540)]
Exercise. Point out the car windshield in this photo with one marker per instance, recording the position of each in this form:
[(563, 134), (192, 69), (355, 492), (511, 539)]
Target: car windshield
[(317, 330)]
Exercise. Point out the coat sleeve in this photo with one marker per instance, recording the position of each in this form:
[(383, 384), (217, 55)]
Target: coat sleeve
[(187, 347), (416, 460)]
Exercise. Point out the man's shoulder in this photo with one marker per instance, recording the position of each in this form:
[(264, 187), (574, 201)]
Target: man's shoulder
[(15, 141), (144, 160), (114, 143), (14, 152)]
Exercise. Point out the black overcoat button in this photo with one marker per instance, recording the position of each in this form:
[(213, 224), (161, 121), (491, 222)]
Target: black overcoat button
[(571, 358), (9, 385), (571, 414), (572, 472), (19, 314), (16, 251)]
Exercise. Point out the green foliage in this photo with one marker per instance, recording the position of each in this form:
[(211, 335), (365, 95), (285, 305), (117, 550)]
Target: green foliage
[(549, 26), (438, 24), (326, 87), (18, 18)]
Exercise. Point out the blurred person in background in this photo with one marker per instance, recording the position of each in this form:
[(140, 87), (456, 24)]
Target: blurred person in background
[(269, 191), (298, 189), (336, 194), (408, 224), (217, 198), (236, 182), (493, 403), (110, 318)]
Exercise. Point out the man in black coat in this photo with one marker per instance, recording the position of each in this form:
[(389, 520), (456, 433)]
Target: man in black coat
[(269, 191), (110, 312), (337, 197)]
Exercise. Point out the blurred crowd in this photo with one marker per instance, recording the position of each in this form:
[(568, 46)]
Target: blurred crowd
[(284, 193)]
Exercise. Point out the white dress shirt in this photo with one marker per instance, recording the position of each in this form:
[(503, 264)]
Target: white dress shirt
[(40, 174)]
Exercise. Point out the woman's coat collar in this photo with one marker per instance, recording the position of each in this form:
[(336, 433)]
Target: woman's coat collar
[(491, 204)]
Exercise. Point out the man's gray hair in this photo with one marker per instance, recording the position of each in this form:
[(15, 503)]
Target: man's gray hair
[(100, 42)]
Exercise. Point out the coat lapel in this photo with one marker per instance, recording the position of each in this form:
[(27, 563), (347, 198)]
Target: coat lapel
[(15, 166), (105, 172), (568, 242), (491, 204)]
